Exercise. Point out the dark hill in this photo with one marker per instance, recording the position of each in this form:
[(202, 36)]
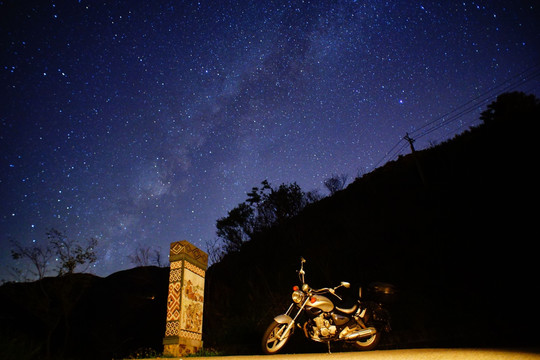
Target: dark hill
[(82, 316), (459, 244)]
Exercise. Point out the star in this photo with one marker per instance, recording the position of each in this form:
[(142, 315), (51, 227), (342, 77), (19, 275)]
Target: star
[(142, 124)]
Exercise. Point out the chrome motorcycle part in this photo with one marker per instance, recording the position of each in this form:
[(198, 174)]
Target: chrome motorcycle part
[(321, 302), (298, 296), (275, 337), (359, 334), (363, 313), (348, 311), (324, 327)]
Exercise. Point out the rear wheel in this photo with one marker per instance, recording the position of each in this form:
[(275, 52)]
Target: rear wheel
[(368, 343), (273, 339)]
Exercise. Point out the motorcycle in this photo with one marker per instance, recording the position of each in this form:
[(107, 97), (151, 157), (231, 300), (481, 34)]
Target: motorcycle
[(320, 320)]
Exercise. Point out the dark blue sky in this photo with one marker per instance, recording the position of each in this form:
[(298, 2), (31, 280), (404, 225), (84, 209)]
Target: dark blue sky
[(142, 122)]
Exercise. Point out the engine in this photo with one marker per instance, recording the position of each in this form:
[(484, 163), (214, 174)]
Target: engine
[(324, 326)]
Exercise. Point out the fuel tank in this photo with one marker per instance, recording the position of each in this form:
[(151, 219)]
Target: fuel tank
[(321, 302)]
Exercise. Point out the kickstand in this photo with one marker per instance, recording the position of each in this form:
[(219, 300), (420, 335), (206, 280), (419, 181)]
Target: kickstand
[(328, 343)]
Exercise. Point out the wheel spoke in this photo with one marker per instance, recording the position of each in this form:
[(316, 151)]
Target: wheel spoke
[(275, 339)]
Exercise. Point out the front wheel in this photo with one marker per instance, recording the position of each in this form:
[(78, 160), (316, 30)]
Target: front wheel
[(273, 339), (368, 343)]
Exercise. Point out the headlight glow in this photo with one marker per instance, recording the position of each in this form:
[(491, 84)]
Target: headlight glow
[(297, 296)]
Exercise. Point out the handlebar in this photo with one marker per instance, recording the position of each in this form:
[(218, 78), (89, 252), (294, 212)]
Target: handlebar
[(327, 290), (301, 274), (323, 290)]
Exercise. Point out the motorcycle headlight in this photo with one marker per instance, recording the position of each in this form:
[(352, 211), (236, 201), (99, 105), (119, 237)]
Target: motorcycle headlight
[(297, 296)]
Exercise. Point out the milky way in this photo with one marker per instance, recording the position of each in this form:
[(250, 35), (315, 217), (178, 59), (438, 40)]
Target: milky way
[(143, 122)]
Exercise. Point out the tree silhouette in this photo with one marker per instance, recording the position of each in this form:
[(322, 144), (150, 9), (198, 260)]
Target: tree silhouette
[(68, 253), (512, 106), (264, 207), (54, 299), (38, 255), (236, 227), (335, 183), (145, 256)]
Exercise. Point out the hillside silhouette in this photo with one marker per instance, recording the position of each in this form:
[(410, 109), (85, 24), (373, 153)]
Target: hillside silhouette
[(457, 239), (459, 242), (82, 316)]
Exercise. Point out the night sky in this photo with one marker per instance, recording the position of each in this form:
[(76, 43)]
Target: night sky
[(141, 123)]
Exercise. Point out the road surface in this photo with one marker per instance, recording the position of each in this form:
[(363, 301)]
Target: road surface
[(404, 354)]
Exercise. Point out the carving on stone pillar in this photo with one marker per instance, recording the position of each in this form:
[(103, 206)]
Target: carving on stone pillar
[(183, 332)]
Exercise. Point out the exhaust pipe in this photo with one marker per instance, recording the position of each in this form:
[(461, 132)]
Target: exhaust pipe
[(360, 334)]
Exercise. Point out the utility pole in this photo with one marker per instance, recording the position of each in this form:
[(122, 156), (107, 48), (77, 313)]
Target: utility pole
[(410, 140), (418, 166)]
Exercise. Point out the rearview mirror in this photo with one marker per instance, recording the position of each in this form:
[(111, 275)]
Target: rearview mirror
[(345, 284)]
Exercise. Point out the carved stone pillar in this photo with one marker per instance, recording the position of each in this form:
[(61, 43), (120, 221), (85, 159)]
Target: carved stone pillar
[(183, 332)]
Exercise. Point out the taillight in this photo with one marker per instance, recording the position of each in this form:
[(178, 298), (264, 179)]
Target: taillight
[(295, 288)]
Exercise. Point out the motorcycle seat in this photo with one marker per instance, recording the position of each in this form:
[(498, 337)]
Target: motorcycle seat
[(347, 311)]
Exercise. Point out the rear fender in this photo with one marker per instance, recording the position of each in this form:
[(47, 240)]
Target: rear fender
[(382, 316)]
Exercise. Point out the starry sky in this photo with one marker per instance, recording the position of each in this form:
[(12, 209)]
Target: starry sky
[(141, 123)]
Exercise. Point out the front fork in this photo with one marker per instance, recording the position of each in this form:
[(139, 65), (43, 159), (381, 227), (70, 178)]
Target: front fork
[(287, 319)]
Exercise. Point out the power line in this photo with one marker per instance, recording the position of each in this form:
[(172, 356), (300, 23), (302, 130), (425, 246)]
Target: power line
[(468, 107), (475, 106), (394, 154), (487, 95)]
